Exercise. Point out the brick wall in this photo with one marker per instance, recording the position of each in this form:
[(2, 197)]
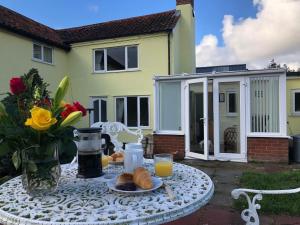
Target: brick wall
[(268, 149), (169, 144)]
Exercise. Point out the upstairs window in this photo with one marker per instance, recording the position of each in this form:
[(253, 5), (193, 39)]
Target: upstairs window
[(124, 58), (133, 111), (42, 53)]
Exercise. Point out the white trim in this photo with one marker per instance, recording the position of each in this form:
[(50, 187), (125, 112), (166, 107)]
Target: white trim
[(242, 155), (157, 109), (105, 60), (293, 111), (92, 99), (205, 118), (42, 60), (138, 97), (282, 112)]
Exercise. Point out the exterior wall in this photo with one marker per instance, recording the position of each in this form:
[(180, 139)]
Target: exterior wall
[(16, 59), (173, 144), (152, 58), (182, 42), (293, 120), (268, 149)]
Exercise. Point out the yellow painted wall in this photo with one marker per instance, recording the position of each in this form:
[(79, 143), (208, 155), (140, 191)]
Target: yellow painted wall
[(293, 120), (183, 42), (152, 57), (16, 59)]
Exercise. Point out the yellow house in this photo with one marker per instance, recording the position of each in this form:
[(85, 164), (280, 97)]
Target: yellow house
[(293, 102), (111, 64)]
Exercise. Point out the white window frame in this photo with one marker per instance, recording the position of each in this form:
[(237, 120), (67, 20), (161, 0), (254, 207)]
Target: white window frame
[(230, 114), (138, 110), (42, 53), (92, 98), (294, 112), (282, 112), (105, 60), (157, 129)]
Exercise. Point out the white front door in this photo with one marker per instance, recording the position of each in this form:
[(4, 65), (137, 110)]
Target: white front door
[(196, 109), (229, 119)]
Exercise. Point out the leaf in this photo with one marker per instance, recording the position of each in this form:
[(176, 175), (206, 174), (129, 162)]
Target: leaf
[(16, 159), (4, 148)]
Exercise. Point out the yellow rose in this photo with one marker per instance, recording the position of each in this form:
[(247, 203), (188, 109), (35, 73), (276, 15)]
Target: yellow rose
[(41, 119)]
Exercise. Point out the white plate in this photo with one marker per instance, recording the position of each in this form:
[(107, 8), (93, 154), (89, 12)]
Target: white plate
[(157, 183)]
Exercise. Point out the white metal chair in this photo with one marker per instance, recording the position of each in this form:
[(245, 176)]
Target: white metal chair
[(250, 215), (113, 129)]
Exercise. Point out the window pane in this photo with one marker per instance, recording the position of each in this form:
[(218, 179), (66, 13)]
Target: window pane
[(47, 54), (132, 57), (232, 103), (170, 106), (120, 110), (37, 51), (103, 111), (144, 112), (297, 102), (96, 111), (264, 92), (99, 60), (132, 112), (116, 58)]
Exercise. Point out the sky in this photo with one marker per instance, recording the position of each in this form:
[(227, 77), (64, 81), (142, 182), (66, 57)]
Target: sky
[(227, 31)]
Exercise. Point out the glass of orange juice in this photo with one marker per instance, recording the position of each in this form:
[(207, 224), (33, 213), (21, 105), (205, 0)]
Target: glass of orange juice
[(163, 165), (105, 161)]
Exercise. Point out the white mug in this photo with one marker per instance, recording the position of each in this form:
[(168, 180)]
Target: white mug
[(133, 157)]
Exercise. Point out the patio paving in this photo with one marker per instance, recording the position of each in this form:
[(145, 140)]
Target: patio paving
[(225, 176)]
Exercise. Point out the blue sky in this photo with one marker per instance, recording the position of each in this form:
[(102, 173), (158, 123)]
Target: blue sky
[(67, 13)]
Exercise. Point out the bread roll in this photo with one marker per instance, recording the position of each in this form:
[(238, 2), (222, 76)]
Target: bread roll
[(142, 178), (125, 182)]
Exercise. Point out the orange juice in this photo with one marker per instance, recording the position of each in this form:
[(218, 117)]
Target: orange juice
[(164, 168), (104, 161)]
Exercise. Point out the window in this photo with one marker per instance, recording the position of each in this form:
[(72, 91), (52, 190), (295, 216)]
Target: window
[(99, 114), (42, 53), (264, 100), (169, 106), (123, 58), (231, 103), (133, 111), (295, 102)]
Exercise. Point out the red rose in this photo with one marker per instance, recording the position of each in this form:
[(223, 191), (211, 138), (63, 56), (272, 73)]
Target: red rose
[(17, 86), (68, 110), (79, 107)]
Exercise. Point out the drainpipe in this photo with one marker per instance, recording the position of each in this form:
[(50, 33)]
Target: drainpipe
[(169, 53)]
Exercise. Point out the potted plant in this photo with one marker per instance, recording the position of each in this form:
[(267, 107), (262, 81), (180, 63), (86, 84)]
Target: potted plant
[(36, 128)]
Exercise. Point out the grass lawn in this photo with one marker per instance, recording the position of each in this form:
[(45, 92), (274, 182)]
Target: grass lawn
[(274, 204)]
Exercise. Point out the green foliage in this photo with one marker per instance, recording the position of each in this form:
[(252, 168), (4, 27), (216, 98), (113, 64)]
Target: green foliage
[(15, 137), (275, 204)]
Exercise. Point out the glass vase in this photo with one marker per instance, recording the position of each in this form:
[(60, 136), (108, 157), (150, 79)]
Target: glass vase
[(41, 169)]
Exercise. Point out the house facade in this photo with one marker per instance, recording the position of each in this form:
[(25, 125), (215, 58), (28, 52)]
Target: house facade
[(111, 64)]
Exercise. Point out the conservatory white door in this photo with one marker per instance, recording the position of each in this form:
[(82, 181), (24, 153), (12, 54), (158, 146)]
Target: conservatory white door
[(230, 119), (196, 108)]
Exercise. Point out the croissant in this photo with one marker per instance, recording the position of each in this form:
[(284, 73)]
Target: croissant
[(142, 178)]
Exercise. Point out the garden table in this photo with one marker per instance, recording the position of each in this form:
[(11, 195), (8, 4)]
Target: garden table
[(90, 202)]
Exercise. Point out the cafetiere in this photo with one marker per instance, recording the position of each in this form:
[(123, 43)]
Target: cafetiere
[(89, 153)]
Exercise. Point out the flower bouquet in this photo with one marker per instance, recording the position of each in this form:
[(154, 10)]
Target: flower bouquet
[(36, 129)]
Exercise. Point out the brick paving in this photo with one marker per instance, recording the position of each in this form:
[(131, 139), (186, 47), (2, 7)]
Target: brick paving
[(225, 176)]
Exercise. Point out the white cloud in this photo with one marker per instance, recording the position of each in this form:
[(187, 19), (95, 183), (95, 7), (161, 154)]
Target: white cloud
[(273, 33), (93, 8)]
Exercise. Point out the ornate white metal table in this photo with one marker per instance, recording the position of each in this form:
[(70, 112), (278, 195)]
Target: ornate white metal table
[(90, 202)]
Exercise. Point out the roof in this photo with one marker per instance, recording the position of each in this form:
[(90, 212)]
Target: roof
[(148, 24), (25, 26), (221, 68), (154, 23)]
